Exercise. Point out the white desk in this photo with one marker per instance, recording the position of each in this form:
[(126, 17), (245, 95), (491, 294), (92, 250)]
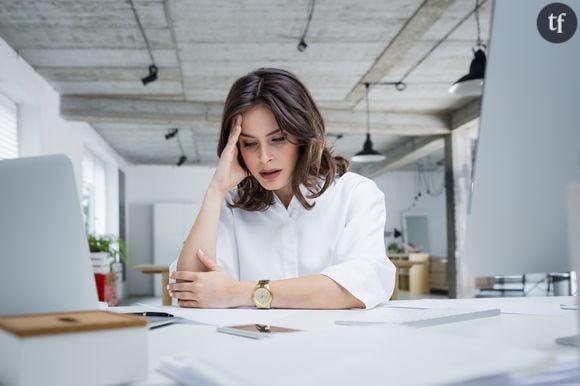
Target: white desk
[(516, 330)]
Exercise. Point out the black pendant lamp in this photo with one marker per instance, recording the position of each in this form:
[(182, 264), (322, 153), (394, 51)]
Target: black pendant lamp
[(472, 83), (368, 154)]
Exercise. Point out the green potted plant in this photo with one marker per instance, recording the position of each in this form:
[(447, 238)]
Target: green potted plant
[(394, 247), (112, 245)]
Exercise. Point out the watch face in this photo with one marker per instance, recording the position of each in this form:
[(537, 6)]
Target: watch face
[(262, 296)]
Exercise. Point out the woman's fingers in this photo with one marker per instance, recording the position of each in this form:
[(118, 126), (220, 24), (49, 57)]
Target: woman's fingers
[(227, 174), (184, 295), (189, 304), (185, 286), (186, 276), (183, 291), (238, 122), (235, 132)]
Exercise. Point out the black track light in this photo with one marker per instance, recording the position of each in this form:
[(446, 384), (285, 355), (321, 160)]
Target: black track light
[(302, 45), (182, 160), (153, 70), (171, 133), (152, 77)]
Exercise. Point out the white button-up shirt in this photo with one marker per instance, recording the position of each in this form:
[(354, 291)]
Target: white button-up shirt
[(342, 237)]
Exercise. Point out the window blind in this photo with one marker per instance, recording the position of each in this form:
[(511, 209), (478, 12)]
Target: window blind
[(8, 128)]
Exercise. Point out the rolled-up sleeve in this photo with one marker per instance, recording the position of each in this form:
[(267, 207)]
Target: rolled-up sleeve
[(226, 250), (362, 266)]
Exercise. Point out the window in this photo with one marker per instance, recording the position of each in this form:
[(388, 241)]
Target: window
[(94, 194), (8, 128)]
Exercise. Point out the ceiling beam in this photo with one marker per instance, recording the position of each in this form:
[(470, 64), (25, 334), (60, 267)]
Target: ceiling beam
[(424, 18), (466, 117), (403, 154), (348, 121), (114, 110), (96, 109)]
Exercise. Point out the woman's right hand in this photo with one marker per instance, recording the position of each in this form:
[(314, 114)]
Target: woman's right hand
[(229, 173)]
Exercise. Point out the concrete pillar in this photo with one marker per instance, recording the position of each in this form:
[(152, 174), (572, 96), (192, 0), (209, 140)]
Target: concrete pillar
[(458, 167)]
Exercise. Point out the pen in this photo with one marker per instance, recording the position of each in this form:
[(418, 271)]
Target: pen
[(243, 333), (153, 313)]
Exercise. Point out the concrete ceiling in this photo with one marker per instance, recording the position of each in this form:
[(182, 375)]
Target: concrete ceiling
[(93, 54)]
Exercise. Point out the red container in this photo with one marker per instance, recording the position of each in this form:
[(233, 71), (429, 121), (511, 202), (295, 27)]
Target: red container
[(107, 287)]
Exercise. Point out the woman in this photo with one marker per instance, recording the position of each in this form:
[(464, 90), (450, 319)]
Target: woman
[(299, 231)]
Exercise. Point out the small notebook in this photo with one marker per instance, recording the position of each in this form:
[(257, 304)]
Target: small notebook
[(419, 317)]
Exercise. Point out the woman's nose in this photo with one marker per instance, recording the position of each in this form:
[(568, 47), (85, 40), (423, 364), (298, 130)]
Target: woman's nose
[(265, 155)]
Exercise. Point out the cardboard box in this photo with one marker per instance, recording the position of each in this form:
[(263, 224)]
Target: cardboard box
[(484, 282), (73, 348), (438, 273), (438, 266), (438, 280)]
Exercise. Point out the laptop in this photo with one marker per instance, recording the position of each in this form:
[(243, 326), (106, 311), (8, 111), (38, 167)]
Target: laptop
[(573, 206), (44, 254)]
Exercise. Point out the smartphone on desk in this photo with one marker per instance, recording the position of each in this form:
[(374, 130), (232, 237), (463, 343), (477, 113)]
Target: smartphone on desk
[(157, 319)]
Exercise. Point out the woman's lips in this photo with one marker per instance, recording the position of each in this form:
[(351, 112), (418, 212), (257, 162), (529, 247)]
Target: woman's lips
[(270, 175)]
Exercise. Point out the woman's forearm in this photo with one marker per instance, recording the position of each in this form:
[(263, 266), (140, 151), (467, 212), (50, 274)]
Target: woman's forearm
[(203, 233), (310, 292)]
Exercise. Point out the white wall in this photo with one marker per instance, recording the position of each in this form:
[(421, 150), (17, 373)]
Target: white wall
[(42, 131), (146, 185), (400, 188)]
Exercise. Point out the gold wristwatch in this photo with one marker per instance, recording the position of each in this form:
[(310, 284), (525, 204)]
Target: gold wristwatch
[(262, 295)]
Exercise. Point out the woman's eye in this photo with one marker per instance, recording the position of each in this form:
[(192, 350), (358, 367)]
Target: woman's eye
[(250, 144), (279, 139)]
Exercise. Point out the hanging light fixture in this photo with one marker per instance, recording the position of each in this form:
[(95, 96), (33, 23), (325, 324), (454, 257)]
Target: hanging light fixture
[(472, 83), (302, 46), (368, 154), (153, 70)]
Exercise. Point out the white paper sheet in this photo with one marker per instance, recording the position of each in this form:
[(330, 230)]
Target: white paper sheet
[(364, 355)]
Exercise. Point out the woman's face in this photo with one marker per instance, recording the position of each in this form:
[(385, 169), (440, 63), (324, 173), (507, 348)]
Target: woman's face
[(268, 154)]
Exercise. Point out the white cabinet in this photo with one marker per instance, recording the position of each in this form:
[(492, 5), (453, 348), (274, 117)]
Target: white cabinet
[(171, 224)]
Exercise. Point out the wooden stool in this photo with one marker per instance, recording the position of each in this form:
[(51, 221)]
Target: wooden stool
[(164, 271), (419, 283)]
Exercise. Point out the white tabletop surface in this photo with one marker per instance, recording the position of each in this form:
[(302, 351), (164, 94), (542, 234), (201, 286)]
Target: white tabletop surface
[(403, 350)]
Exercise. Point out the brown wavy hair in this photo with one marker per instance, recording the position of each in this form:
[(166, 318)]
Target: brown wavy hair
[(296, 114)]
